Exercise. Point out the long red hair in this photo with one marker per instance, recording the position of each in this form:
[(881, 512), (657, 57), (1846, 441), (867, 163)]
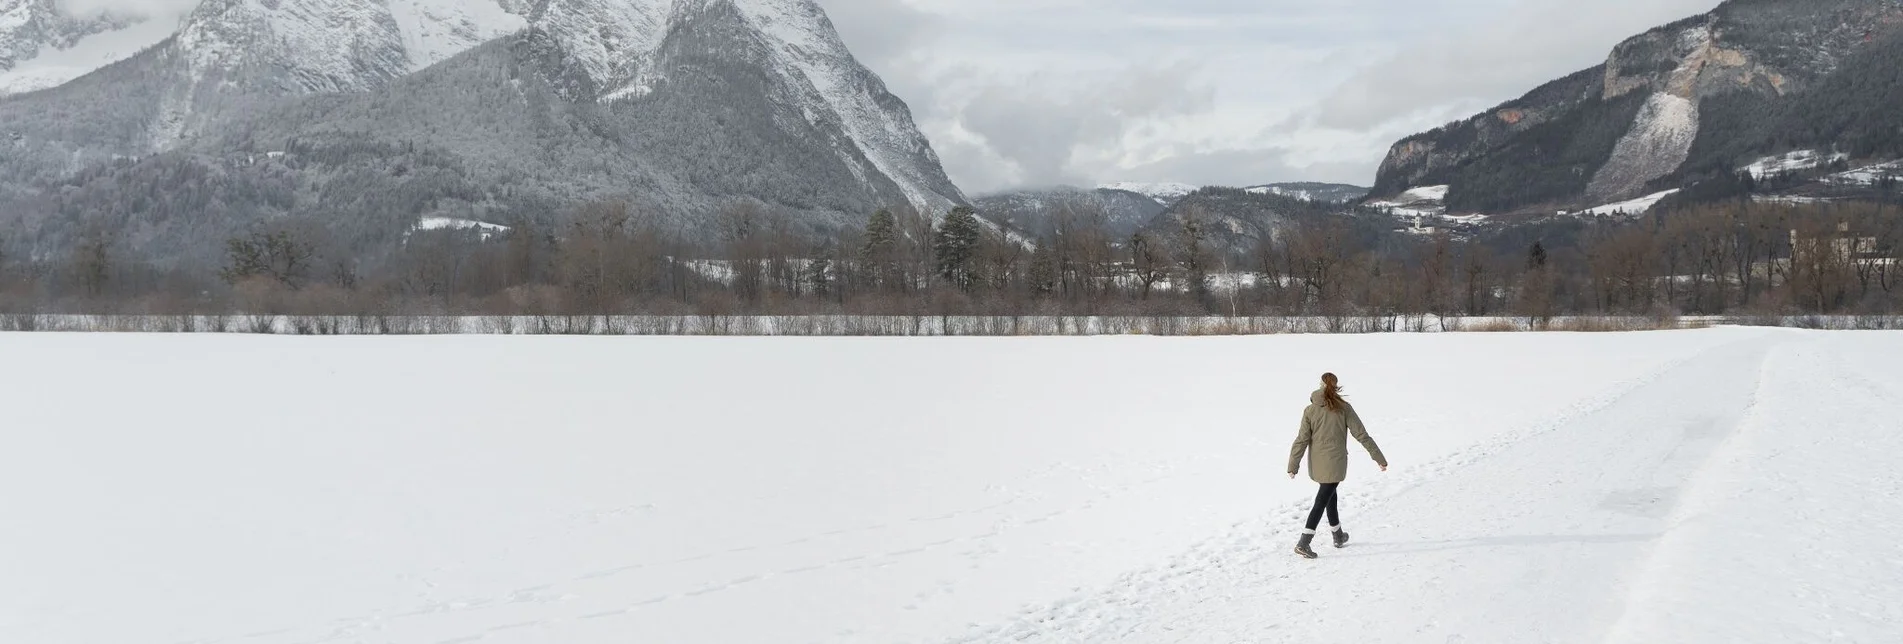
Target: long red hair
[(1331, 393)]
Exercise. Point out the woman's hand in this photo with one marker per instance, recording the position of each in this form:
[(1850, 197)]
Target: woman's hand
[(1291, 475), (1384, 468)]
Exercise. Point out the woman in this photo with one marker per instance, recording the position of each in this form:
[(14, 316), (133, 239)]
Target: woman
[(1324, 437)]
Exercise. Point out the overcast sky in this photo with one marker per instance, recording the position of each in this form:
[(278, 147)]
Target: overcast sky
[(1232, 92)]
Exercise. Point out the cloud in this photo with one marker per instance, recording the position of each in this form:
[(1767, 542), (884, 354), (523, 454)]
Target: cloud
[(145, 8), (883, 33), (1023, 92), (1494, 60), (1048, 129), (1247, 167)]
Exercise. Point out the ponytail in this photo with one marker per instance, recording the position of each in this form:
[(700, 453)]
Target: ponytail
[(1331, 393)]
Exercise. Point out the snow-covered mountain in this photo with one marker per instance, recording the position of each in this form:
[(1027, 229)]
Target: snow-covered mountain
[(42, 44), (679, 105), (1165, 193)]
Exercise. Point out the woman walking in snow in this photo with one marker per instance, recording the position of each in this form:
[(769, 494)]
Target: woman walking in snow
[(1326, 425)]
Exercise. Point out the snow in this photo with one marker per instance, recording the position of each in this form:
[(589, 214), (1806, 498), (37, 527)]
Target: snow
[(804, 45), (1630, 207), (1870, 174), (1166, 193), (1789, 199), (1792, 162), (55, 67), (435, 30), (611, 39), (1420, 202), (357, 45), (580, 490), (448, 223), (616, 42), (1429, 193), (1708, 502)]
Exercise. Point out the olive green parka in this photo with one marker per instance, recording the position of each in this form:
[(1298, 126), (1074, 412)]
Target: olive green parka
[(1324, 437)]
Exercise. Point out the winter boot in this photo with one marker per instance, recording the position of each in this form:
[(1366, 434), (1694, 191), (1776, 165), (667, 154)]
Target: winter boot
[(1301, 547), (1341, 538)]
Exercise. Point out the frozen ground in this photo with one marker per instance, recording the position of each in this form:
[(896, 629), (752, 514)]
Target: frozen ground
[(1706, 486), (1633, 207)]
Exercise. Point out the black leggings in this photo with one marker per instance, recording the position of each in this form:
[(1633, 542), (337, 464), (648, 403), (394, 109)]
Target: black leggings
[(1324, 500)]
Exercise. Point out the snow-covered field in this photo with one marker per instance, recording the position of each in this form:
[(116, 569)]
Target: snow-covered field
[(1633, 207), (1416, 202), (1796, 161), (1722, 485)]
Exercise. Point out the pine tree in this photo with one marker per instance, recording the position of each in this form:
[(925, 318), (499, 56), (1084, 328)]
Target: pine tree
[(1195, 259), (819, 272), (879, 255), (1043, 268), (955, 246)]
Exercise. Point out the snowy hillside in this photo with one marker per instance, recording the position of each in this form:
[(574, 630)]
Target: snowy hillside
[(1164, 193), (685, 107), (1425, 201), (1637, 206), (43, 44), (1795, 161), (1660, 487)]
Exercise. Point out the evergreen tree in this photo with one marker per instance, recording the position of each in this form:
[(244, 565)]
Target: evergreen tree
[(955, 246), (1195, 259), (819, 272), (1043, 268), (879, 255), (1536, 258)]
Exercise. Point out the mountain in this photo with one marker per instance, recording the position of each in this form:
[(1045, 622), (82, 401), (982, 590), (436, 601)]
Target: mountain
[(1237, 219), (1032, 210), (1312, 191), (1685, 104), (42, 44), (371, 114), (1163, 193)]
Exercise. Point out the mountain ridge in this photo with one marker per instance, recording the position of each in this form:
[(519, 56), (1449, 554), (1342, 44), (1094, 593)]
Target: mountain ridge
[(1690, 101), (721, 102)]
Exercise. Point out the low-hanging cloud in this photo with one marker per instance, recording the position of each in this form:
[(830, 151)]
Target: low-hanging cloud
[(1494, 60), (1042, 125), (145, 8), (1020, 92)]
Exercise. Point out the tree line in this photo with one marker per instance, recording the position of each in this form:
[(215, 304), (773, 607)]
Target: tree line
[(1731, 258)]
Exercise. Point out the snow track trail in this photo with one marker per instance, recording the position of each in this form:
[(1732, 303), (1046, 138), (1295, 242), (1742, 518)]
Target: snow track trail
[(1699, 507)]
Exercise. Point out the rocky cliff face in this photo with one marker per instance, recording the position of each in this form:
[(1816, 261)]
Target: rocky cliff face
[(1620, 129), (681, 107)]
